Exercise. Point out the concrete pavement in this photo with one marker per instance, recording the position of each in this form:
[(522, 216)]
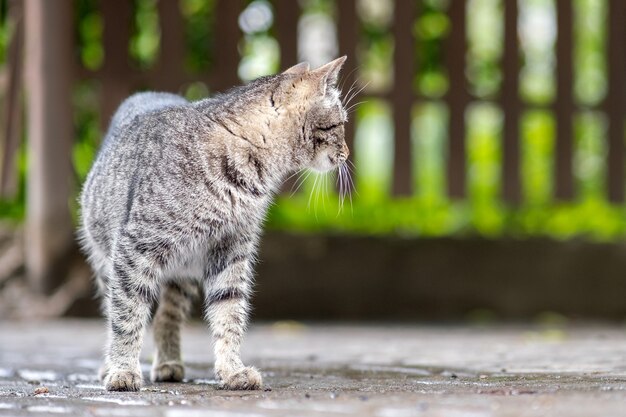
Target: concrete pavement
[(49, 368)]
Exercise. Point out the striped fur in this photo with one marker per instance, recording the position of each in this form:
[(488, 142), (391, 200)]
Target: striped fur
[(175, 201)]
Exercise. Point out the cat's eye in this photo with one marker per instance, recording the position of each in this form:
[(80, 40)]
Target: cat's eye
[(326, 129)]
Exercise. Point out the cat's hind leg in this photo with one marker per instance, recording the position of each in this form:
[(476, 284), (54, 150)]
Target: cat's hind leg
[(129, 300), (174, 307)]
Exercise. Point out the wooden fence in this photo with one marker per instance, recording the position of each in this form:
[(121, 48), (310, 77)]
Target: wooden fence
[(119, 78), (49, 53)]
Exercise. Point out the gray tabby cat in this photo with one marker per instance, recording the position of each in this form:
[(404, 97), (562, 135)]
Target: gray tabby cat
[(176, 199)]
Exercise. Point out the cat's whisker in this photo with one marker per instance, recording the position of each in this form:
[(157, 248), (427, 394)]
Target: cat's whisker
[(321, 191), (354, 106), (350, 183), (340, 179), (352, 86), (351, 205), (299, 173), (351, 167), (329, 183), (339, 186), (356, 93), (342, 190), (350, 193), (349, 172), (346, 78), (352, 186), (317, 194), (324, 189), (308, 206), (338, 183), (343, 79), (302, 179), (293, 175)]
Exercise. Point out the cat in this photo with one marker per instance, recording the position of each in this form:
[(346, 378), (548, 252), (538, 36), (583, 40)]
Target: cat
[(175, 202)]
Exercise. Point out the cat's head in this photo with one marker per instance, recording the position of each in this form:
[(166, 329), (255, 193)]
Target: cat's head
[(312, 98)]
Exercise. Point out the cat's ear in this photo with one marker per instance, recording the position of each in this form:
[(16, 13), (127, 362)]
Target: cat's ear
[(298, 68), (300, 81), (328, 74)]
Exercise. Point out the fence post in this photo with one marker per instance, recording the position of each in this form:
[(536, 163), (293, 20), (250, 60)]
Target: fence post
[(347, 26), (615, 103), (564, 104), (402, 95), (511, 106), (227, 36), (457, 98), (115, 73), (170, 69), (12, 109), (49, 67), (287, 16)]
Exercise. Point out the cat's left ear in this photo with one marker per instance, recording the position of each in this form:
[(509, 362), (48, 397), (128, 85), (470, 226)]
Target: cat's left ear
[(329, 74), (298, 68)]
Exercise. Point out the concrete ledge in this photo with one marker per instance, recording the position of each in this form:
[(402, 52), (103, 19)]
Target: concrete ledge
[(347, 277)]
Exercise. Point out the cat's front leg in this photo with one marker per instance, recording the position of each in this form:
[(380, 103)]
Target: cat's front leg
[(227, 305)]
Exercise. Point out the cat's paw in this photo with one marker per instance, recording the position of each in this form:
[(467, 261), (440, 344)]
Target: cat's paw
[(243, 379), (168, 372), (122, 380)]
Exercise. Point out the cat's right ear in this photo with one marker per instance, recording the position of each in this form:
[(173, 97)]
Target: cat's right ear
[(327, 75), (300, 68)]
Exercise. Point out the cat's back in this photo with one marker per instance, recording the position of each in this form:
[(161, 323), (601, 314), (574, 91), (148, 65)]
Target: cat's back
[(121, 159), (130, 127), (137, 108), (145, 103)]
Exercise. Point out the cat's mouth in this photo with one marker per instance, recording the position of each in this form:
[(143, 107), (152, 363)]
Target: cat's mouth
[(337, 159), (328, 160)]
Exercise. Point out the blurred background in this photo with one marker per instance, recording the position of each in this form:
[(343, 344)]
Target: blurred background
[(487, 139)]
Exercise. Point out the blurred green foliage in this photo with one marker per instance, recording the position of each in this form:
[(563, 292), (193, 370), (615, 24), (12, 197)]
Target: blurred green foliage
[(200, 23), (90, 27), (146, 34), (5, 30), (430, 30), (428, 212)]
